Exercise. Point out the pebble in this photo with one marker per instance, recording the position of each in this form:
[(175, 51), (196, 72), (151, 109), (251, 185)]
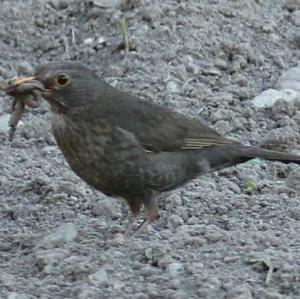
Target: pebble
[(214, 233), (174, 269), (172, 87), (24, 68), (289, 79), (151, 13), (282, 108), (174, 221), (84, 292), (48, 259), (294, 212), (240, 80), (88, 41), (178, 295), (116, 4), (4, 123), (223, 127), (99, 277), (293, 180), (149, 271), (239, 292), (193, 68), (270, 96), (72, 189), (107, 208), (266, 294), (15, 295), (281, 139), (295, 17), (59, 4), (64, 234)]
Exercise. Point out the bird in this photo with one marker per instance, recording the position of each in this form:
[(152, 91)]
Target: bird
[(132, 148)]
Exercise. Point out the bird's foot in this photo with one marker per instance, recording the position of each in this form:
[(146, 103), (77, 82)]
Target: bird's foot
[(131, 233), (151, 213), (129, 229)]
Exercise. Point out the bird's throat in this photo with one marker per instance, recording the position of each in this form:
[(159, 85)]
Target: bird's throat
[(56, 105)]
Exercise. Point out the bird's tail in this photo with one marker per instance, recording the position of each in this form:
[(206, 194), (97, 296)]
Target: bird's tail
[(218, 157), (256, 152)]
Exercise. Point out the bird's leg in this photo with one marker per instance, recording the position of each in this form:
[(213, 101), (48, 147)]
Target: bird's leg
[(151, 213), (134, 206), (128, 230)]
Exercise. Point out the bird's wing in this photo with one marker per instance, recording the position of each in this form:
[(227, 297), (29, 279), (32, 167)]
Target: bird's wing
[(155, 127)]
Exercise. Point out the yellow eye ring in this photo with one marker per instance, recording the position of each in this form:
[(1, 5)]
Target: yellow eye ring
[(62, 80)]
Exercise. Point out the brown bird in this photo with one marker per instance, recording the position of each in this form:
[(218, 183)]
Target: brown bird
[(127, 147)]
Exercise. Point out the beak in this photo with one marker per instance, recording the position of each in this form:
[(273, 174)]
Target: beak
[(21, 80), (23, 85)]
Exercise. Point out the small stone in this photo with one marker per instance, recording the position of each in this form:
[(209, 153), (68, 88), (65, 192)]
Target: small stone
[(178, 294), (15, 295), (71, 189), (164, 261), (168, 55), (59, 4), (270, 96), (282, 107), (289, 79), (174, 200), (101, 40), (266, 294), (7, 280), (84, 292), (48, 259), (295, 17), (116, 4), (24, 68), (221, 64), (4, 123), (267, 28), (107, 208), (211, 71), (281, 139), (118, 285), (241, 80), (174, 269), (172, 87), (223, 127), (295, 213), (149, 271), (99, 277), (88, 41), (151, 13), (117, 240), (193, 68), (214, 234), (239, 292), (64, 234), (174, 221)]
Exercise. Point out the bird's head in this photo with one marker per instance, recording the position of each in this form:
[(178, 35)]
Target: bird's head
[(66, 84)]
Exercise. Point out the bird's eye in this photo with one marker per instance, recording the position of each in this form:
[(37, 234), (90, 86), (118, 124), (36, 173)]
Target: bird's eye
[(62, 79)]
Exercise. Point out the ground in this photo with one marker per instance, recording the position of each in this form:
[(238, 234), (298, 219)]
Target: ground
[(234, 234)]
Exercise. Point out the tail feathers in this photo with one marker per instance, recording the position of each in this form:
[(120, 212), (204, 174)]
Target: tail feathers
[(218, 157), (256, 152)]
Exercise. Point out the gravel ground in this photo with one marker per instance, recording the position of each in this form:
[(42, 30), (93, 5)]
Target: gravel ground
[(234, 234)]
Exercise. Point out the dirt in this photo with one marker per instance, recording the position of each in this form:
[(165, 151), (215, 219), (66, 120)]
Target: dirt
[(234, 234)]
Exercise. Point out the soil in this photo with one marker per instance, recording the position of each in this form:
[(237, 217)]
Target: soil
[(232, 234)]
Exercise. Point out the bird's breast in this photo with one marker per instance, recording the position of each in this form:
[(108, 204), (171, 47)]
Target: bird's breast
[(93, 152)]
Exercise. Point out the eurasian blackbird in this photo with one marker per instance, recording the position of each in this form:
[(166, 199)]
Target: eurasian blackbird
[(131, 148)]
